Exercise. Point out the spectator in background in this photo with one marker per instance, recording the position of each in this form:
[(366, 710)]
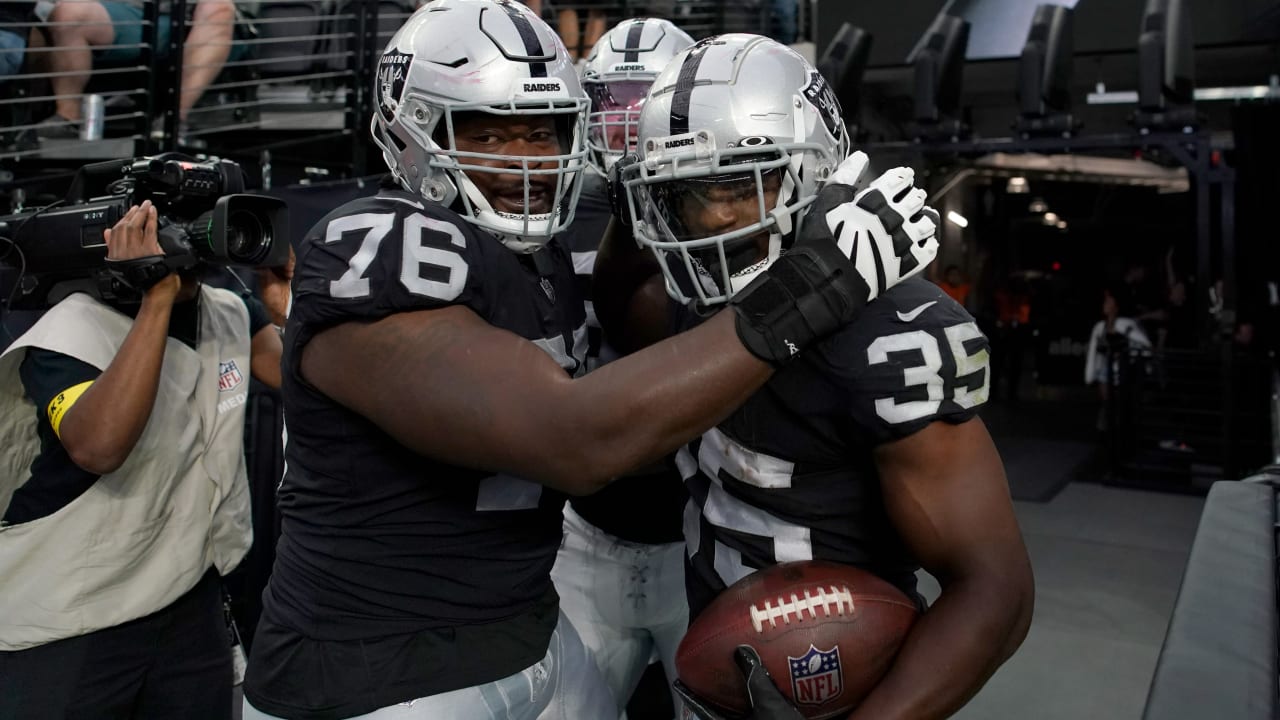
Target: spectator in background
[(1178, 331), (1142, 297), (570, 29), (1009, 339), (15, 35), (535, 6), (88, 32), (954, 285), (784, 21), (1112, 336)]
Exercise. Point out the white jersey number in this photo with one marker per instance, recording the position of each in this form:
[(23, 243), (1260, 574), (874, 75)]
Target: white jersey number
[(449, 269), (928, 372)]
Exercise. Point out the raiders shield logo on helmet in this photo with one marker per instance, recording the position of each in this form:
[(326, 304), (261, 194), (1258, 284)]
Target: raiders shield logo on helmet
[(393, 68), (820, 94)]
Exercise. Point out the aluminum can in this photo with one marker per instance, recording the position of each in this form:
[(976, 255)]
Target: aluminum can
[(92, 110)]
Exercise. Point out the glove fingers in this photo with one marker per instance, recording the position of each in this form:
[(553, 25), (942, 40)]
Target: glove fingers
[(924, 226), (850, 169), (912, 204), (921, 254), (895, 181)]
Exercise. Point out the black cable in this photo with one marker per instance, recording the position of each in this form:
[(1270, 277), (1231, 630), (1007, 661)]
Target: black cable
[(17, 285)]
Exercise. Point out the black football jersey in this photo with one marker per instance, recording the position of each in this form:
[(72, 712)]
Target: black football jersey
[(644, 509), (377, 540), (582, 240), (790, 475)]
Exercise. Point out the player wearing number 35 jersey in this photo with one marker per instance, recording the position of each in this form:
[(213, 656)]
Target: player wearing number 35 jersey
[(863, 450)]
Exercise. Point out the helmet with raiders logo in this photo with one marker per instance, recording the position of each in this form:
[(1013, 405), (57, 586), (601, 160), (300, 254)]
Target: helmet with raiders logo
[(617, 76), (453, 57), (736, 137)]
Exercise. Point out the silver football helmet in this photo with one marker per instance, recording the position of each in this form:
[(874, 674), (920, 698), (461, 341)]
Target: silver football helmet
[(481, 56), (617, 76), (736, 136)]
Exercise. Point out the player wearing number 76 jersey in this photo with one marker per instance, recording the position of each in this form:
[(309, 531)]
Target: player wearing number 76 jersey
[(864, 450)]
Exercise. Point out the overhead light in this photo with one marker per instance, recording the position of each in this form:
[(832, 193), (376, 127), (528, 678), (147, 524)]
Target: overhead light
[(958, 219), (1018, 185), (1062, 224), (1037, 206), (1050, 218)]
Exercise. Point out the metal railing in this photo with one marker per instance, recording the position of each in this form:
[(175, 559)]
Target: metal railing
[(270, 83), (1179, 416)]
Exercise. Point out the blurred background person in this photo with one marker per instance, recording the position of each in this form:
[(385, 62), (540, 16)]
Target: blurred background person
[(88, 32)]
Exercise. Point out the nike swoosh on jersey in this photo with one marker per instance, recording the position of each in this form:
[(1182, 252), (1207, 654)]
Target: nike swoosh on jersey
[(909, 316)]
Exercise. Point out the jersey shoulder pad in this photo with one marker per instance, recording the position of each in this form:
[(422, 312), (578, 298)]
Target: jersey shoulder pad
[(391, 252), (914, 356)]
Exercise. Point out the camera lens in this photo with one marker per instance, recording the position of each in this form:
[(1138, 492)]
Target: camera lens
[(248, 240)]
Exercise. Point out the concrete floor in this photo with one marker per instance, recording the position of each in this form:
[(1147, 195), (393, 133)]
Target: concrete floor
[(1108, 564)]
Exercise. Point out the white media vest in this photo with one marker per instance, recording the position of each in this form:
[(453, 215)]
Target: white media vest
[(141, 536)]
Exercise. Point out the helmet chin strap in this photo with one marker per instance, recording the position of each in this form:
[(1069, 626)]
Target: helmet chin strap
[(744, 278), (482, 211)]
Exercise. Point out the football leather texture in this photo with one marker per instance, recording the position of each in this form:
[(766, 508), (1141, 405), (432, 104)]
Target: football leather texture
[(826, 632)]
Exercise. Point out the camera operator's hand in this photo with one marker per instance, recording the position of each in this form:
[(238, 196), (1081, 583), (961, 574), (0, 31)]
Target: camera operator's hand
[(274, 283), (135, 236)]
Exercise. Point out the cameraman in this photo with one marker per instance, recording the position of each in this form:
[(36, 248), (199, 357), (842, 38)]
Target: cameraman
[(124, 495)]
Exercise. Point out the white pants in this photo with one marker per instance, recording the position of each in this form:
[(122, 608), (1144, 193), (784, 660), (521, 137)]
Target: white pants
[(564, 685), (626, 599)]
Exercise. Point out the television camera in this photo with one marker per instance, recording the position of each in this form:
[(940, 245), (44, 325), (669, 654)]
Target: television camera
[(204, 217)]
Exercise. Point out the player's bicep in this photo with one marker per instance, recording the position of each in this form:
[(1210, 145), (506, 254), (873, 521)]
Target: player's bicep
[(443, 383), (945, 491)]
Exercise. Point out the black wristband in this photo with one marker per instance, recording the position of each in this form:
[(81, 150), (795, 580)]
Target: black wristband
[(140, 273), (806, 294)]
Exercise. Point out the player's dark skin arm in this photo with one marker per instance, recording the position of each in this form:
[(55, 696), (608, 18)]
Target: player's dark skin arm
[(448, 385), (945, 491), (628, 292), (103, 426)]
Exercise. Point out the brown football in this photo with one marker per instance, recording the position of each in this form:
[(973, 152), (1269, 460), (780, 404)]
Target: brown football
[(826, 632)]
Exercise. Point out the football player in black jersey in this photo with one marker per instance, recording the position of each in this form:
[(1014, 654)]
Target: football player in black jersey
[(435, 417), (866, 449), (620, 570)]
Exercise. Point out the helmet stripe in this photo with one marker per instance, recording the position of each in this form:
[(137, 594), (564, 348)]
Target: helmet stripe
[(633, 41), (684, 90), (529, 36)]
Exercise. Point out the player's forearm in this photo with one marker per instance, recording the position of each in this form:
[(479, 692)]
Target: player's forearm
[(451, 387), (623, 284), (954, 648), (104, 425), (644, 406)]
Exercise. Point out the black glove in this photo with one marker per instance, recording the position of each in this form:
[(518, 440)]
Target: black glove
[(618, 191), (852, 247), (141, 273), (767, 701)]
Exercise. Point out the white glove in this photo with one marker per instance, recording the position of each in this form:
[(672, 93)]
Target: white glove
[(887, 231)]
